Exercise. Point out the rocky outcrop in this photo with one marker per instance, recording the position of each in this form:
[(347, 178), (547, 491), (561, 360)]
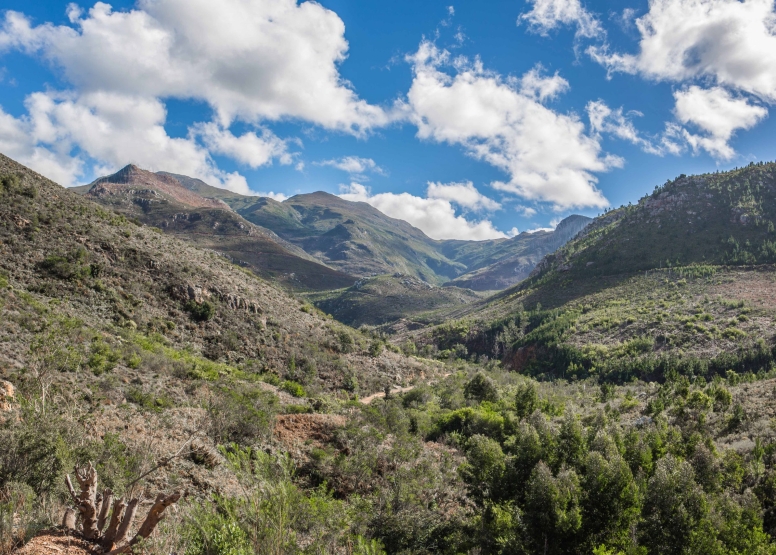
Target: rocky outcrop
[(7, 396), (191, 292)]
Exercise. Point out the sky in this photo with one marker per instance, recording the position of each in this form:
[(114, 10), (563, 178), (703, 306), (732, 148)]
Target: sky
[(470, 120)]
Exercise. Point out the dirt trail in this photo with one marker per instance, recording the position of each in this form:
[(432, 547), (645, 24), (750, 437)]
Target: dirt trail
[(369, 398)]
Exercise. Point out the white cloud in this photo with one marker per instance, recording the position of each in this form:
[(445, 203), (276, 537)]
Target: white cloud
[(547, 155), (538, 86), (463, 194), (732, 42), (17, 140), (108, 128), (605, 120), (434, 216), (249, 149), (513, 232), (546, 15), (716, 112), (526, 211), (250, 60), (354, 165)]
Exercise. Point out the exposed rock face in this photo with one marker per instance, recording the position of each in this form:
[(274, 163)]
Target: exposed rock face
[(7, 393), (199, 294)]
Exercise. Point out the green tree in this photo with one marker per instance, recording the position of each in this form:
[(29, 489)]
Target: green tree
[(481, 388), (526, 399), (552, 514), (611, 505), (484, 468), (674, 507)]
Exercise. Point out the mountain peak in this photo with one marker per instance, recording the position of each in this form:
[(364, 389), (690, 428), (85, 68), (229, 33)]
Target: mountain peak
[(133, 180)]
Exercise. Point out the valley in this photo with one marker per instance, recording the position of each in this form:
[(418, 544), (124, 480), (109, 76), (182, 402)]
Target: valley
[(557, 392)]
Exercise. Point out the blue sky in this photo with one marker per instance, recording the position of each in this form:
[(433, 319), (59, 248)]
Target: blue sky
[(468, 121)]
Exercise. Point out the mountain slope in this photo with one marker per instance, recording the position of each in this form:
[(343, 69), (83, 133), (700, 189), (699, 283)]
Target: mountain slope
[(681, 283), (353, 237), (383, 299), (716, 218), (499, 265), (126, 290), (160, 200)]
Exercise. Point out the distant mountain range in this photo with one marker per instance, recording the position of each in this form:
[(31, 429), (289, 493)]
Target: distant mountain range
[(318, 241)]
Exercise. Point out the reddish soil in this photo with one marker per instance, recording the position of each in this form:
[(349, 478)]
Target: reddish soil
[(56, 542), (315, 429)]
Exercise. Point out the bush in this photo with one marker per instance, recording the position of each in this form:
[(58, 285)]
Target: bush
[(72, 266), (294, 388), (241, 416), (201, 312), (376, 348), (481, 388)]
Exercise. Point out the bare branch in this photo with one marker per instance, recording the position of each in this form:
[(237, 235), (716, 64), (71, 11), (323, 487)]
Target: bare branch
[(107, 499), (115, 521)]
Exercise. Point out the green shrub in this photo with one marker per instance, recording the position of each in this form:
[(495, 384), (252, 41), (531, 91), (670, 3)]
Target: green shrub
[(481, 388), (241, 417), (376, 348), (294, 388), (201, 312)]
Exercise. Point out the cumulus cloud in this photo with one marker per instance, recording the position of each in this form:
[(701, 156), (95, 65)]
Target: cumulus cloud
[(609, 121), (717, 113), (250, 60), (547, 155), (463, 194), (727, 45), (357, 167), (249, 149), (436, 217), (546, 15), (526, 211), (732, 42)]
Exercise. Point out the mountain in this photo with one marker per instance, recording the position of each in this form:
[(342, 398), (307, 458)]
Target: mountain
[(383, 299), (497, 265), (154, 366), (161, 200), (129, 290), (353, 237), (348, 240), (679, 283)]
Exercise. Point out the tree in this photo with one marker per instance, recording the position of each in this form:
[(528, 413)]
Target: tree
[(611, 505), (485, 467), (674, 507), (53, 351), (481, 388), (526, 399), (552, 512), (571, 442)]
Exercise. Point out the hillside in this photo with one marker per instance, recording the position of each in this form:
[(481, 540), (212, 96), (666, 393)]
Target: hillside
[(383, 299), (717, 218), (679, 282), (65, 258), (353, 237), (498, 265), (160, 200)]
